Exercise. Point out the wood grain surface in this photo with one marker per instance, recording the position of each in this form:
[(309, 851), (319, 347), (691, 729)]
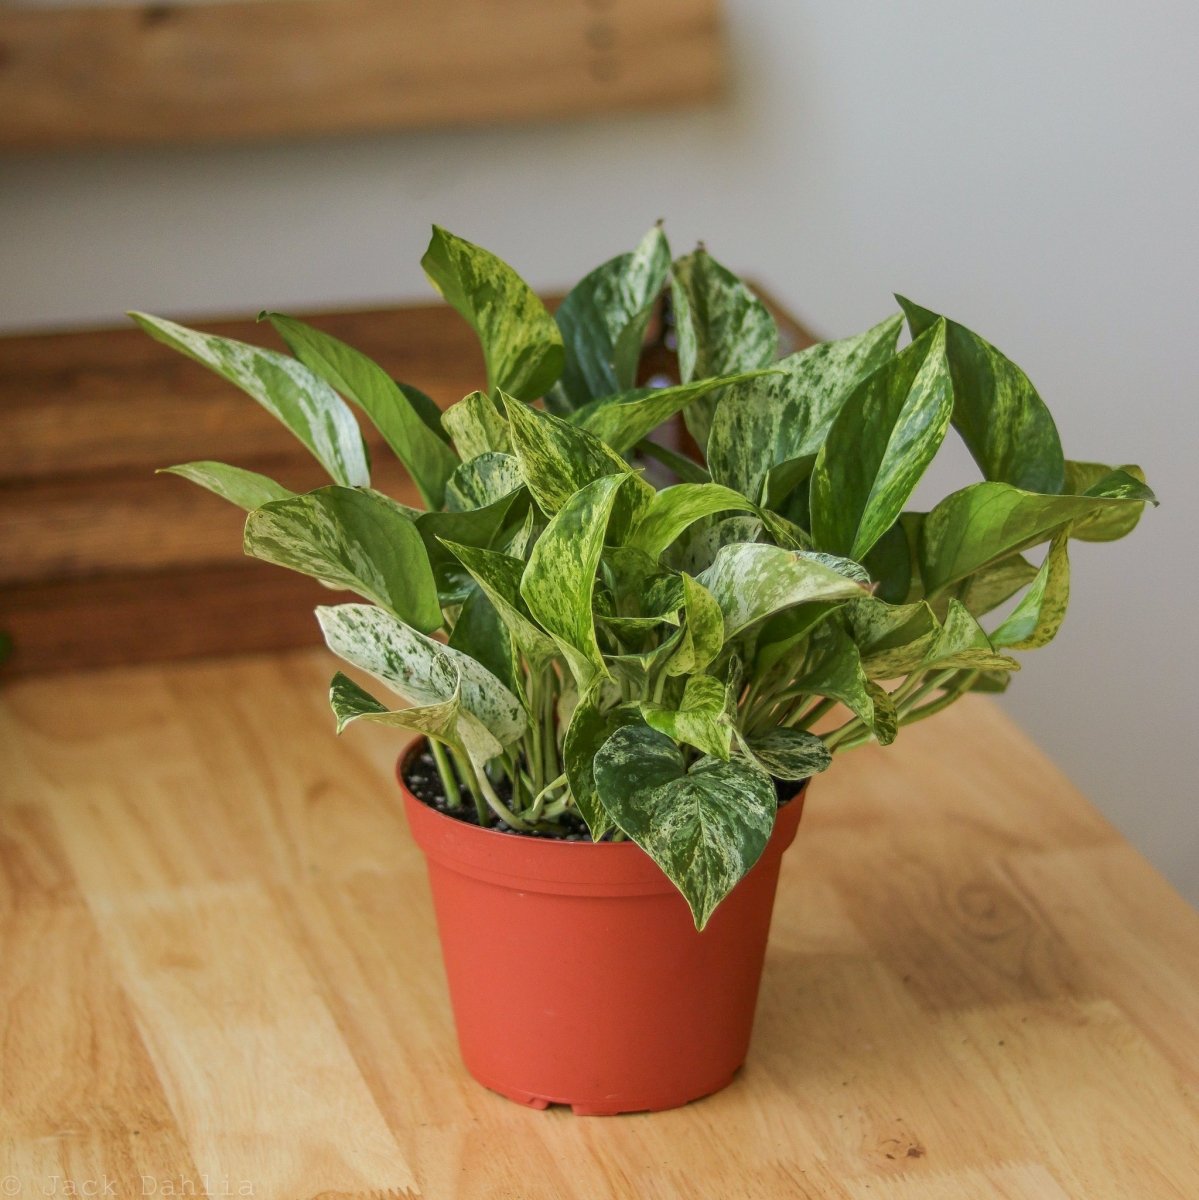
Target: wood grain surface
[(218, 965), (86, 74)]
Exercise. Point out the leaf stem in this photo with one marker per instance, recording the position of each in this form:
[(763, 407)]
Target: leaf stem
[(449, 781)]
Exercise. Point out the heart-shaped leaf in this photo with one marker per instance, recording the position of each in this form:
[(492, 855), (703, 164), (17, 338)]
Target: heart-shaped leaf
[(287, 389), (483, 481), (1110, 524), (705, 827), (703, 630), (353, 539), (591, 725), (521, 343), (673, 509)]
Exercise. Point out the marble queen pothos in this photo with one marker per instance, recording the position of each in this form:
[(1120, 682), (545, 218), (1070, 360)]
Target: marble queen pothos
[(578, 645)]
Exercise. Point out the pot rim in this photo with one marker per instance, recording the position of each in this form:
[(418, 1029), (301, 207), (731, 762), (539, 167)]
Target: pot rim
[(553, 864)]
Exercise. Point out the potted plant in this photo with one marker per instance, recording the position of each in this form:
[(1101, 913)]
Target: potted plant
[(621, 689)]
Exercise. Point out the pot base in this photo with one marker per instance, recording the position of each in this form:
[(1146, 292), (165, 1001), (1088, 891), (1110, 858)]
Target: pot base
[(601, 1107)]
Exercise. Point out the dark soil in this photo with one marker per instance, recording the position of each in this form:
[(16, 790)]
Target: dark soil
[(424, 781)]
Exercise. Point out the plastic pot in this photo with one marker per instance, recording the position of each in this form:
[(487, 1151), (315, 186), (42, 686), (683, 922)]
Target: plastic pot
[(575, 970)]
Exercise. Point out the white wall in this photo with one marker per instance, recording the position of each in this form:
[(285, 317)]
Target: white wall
[(1028, 168)]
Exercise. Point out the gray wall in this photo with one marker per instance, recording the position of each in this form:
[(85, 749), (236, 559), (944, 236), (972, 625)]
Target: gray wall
[(1028, 168)]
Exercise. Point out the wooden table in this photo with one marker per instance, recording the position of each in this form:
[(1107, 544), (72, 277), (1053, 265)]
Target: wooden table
[(218, 965)]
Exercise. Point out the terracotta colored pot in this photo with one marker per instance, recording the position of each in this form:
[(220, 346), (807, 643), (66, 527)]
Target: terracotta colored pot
[(575, 970)]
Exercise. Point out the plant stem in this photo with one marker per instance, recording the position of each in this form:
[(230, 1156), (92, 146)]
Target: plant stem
[(449, 782), (466, 771), (806, 719)]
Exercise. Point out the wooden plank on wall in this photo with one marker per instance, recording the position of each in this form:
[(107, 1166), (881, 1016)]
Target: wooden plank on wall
[(249, 69), (102, 561)]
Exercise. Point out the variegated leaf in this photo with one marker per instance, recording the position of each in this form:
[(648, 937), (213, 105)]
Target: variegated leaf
[(1112, 523), (521, 344), (424, 454), (351, 703), (778, 419), (354, 539), (837, 674), (962, 642), (986, 522), (482, 481), (722, 328), (989, 587), (482, 634), (426, 672), (247, 489), (622, 420), (499, 576), (1034, 622), (996, 409), (591, 725), (752, 580), (673, 509), (879, 446), (476, 426), (700, 719), (892, 639), (560, 576), (557, 458), (603, 321), (287, 389), (703, 630), (789, 754), (705, 827)]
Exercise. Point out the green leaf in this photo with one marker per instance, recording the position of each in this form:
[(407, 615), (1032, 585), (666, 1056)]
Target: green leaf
[(837, 674), (879, 445), (603, 321), (1034, 622), (986, 522), (705, 827), (560, 576), (591, 725), (700, 719), (624, 419), (483, 481), (499, 576), (962, 642), (996, 409), (521, 343), (1112, 523), (673, 509), (557, 458), (722, 327), (247, 489), (885, 723), (779, 419), (684, 468), (892, 639), (354, 539), (426, 672), (481, 633), (425, 456), (751, 580), (290, 392), (790, 754), (439, 720), (476, 426), (989, 587), (703, 630)]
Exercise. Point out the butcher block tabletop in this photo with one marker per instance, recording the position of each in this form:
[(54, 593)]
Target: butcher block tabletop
[(219, 975)]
